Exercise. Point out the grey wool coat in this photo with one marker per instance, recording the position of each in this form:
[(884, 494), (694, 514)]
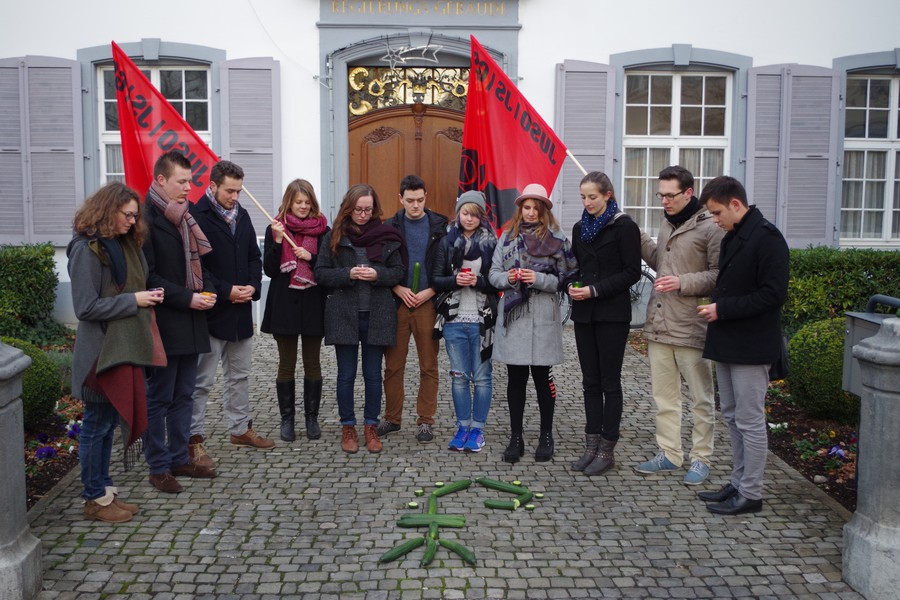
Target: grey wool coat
[(535, 338), (342, 302)]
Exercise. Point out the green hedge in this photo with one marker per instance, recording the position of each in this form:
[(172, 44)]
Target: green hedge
[(827, 282), (28, 283), (40, 383)]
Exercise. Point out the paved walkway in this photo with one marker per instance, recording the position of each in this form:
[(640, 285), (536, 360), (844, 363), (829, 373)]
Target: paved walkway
[(306, 520)]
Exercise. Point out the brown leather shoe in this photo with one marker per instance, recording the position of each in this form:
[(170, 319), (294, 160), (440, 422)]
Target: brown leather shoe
[(131, 508), (372, 441), (194, 471), (198, 453), (165, 482), (251, 439), (109, 513), (349, 443)]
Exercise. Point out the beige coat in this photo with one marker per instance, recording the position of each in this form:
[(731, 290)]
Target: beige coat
[(692, 253)]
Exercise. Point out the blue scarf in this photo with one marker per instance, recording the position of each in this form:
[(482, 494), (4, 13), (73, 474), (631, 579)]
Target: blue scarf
[(591, 225)]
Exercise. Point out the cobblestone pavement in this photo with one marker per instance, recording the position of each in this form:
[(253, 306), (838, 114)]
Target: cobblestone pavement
[(306, 520)]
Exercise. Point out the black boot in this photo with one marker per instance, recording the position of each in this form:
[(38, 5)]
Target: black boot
[(591, 441), (312, 398), (545, 447), (515, 449), (286, 401), (605, 459)]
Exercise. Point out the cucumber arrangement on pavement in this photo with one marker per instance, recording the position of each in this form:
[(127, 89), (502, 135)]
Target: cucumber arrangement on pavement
[(434, 521)]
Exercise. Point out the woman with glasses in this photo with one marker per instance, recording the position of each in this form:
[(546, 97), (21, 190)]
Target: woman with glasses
[(360, 260), (295, 305), (115, 338)]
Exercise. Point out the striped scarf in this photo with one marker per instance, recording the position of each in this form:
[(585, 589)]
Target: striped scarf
[(193, 240)]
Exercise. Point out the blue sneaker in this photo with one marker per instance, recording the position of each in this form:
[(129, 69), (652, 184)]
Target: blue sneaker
[(697, 473), (475, 442), (657, 464), (459, 440)]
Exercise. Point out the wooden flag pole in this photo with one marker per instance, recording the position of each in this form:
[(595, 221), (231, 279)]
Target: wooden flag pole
[(268, 216), (575, 160)]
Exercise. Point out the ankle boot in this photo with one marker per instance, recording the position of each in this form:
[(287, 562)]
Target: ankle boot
[(312, 398), (605, 459), (591, 441), (286, 405), (349, 439), (545, 447), (515, 449)]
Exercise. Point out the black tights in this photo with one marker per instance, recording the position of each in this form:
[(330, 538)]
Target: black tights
[(515, 395)]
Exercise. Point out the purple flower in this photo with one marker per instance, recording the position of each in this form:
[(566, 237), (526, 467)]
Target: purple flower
[(43, 438), (837, 451), (74, 430), (45, 452)]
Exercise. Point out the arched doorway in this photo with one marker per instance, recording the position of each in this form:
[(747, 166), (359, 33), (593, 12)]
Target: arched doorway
[(386, 145)]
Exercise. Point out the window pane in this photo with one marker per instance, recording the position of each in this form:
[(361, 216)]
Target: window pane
[(852, 194), (110, 116), (196, 115), (879, 93), (660, 120), (656, 217), (689, 158), (659, 160), (857, 93), (637, 92), (635, 192), (875, 165), (195, 85), (872, 221), (634, 161), (714, 124), (854, 123), (636, 120), (109, 85), (713, 163), (715, 91), (170, 85), (692, 90), (878, 124), (178, 106), (691, 121), (854, 163), (850, 224), (114, 162), (661, 90), (874, 195)]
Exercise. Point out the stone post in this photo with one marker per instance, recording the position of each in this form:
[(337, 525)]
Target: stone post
[(872, 537), (20, 552)]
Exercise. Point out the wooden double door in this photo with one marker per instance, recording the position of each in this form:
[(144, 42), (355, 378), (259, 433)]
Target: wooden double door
[(417, 139)]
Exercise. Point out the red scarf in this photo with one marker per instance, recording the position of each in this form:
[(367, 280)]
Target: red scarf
[(304, 233)]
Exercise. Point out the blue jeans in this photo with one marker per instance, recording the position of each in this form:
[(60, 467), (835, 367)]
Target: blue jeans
[(463, 344), (170, 392), (95, 447), (346, 355)]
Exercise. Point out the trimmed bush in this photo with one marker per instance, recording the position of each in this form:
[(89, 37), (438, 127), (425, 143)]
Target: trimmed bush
[(40, 383), (28, 283), (816, 353)]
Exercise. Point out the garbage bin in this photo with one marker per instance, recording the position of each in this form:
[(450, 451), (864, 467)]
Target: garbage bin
[(861, 325)]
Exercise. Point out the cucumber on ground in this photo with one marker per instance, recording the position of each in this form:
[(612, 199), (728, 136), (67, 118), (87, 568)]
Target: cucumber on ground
[(525, 497), (432, 504), (456, 486), (430, 551), (419, 520), (401, 549), (501, 486), (433, 530), (503, 504), (466, 554)]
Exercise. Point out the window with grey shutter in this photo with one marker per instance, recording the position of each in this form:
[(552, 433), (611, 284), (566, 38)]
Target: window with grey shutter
[(40, 149), (251, 131), (792, 150), (585, 94)]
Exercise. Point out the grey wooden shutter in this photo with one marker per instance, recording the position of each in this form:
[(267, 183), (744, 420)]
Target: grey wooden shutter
[(251, 131), (41, 161), (792, 150), (585, 102)]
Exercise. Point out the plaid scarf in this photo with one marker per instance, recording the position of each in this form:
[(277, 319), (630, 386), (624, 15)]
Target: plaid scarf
[(305, 234), (193, 240), (229, 216)]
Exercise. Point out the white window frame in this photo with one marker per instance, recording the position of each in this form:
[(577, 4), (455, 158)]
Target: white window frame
[(891, 147), (641, 209), (111, 138)]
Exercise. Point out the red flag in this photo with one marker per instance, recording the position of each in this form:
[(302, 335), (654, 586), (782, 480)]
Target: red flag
[(506, 143), (149, 126)]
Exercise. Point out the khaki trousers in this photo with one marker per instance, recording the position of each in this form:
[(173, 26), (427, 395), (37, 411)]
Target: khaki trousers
[(420, 325)]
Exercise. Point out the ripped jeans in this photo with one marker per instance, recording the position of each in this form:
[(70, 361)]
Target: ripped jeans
[(463, 343)]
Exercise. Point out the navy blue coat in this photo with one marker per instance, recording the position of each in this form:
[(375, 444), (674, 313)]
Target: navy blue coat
[(235, 260), (751, 288)]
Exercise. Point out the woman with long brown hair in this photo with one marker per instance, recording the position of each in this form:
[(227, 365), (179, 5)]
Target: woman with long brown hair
[(114, 340), (295, 305), (361, 260)]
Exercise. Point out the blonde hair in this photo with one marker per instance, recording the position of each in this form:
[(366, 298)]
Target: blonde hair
[(299, 186), (546, 221)]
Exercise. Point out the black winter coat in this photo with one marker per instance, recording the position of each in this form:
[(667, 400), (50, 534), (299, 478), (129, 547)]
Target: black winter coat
[(437, 223), (290, 311), (182, 329), (611, 264), (752, 285), (235, 260)]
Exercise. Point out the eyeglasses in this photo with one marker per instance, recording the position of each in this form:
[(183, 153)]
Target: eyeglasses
[(130, 215), (668, 197), (362, 211)]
